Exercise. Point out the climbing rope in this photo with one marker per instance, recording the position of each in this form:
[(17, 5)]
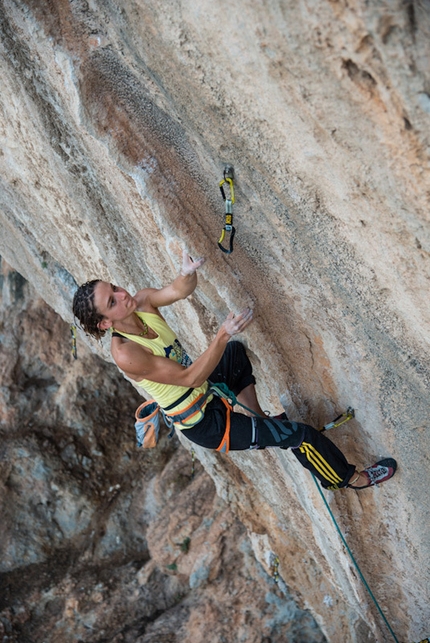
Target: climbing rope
[(222, 390), (228, 225), (354, 561)]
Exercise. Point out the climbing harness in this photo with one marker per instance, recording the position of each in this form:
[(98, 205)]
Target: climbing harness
[(226, 396), (229, 400), (341, 419), (195, 408), (74, 348), (228, 226), (189, 412), (147, 417)]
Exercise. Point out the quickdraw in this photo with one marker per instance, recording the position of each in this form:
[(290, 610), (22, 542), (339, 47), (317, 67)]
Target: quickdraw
[(74, 348), (341, 419), (275, 569), (193, 463), (228, 226)]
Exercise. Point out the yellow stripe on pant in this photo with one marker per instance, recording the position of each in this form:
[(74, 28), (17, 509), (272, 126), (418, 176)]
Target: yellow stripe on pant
[(321, 465)]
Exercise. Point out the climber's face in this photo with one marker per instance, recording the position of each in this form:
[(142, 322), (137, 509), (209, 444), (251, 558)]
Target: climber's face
[(113, 302)]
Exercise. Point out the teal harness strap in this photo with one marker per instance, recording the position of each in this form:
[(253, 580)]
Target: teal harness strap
[(221, 390)]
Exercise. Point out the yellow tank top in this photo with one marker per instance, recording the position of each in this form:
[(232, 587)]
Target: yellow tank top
[(166, 345)]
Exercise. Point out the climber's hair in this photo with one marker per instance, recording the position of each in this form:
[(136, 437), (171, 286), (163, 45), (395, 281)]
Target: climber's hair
[(85, 311)]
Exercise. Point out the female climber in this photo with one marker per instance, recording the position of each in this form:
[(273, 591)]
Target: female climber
[(147, 351)]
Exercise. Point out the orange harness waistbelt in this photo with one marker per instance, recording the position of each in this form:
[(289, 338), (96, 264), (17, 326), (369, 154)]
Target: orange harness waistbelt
[(198, 406)]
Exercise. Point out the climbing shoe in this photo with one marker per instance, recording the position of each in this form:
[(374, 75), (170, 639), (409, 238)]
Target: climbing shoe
[(379, 472)]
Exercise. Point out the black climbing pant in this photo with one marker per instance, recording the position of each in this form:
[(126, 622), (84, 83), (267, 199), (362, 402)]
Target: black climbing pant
[(313, 450)]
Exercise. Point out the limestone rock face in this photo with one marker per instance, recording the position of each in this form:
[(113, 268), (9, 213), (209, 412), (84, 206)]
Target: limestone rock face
[(116, 122)]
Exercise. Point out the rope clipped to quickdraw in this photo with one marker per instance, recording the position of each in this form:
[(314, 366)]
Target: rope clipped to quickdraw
[(228, 225), (74, 347), (341, 419)]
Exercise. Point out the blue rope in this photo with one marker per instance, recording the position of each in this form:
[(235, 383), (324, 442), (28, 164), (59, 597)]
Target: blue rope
[(354, 561)]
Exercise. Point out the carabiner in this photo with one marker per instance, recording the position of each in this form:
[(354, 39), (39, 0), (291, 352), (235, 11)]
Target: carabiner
[(228, 178), (341, 419)]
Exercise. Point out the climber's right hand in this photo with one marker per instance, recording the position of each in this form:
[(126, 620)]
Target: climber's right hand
[(235, 324)]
